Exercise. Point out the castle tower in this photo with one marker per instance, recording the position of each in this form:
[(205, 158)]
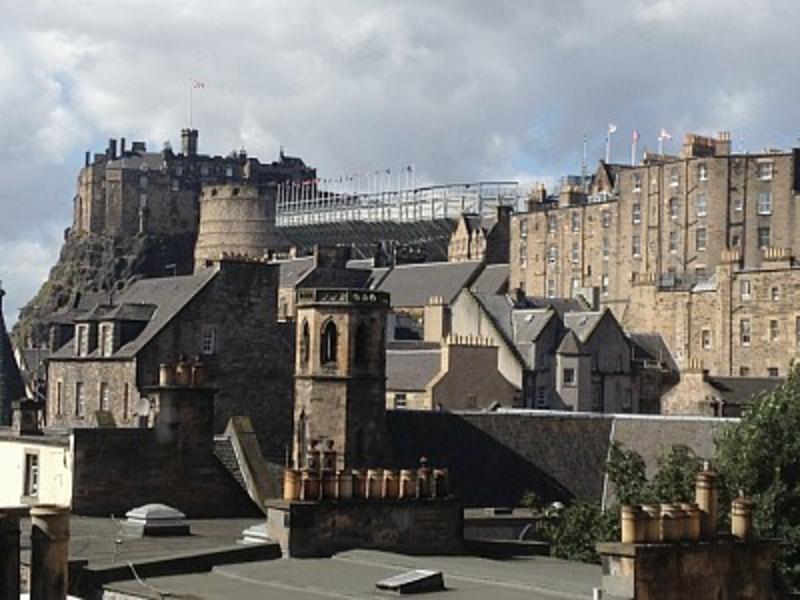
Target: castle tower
[(236, 219), (340, 375), (12, 387)]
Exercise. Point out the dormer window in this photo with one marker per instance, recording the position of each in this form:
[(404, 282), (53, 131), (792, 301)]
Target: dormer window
[(328, 347), (82, 339), (106, 339)]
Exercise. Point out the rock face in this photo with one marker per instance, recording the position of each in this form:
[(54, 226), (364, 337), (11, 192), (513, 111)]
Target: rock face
[(91, 263)]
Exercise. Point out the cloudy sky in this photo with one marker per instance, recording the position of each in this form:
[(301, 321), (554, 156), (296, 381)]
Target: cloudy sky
[(463, 89)]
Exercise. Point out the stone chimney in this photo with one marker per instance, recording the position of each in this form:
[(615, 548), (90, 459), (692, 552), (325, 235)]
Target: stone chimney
[(332, 256), (189, 142), (436, 320)]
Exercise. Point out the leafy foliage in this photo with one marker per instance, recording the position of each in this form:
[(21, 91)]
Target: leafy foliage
[(760, 456), (579, 529)]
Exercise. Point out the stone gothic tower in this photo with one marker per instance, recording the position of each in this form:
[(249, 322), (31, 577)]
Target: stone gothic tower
[(340, 375)]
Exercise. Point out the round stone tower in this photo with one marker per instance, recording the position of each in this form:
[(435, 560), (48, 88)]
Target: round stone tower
[(236, 219)]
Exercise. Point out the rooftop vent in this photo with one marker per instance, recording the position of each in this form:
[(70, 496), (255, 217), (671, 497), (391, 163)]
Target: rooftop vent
[(413, 582), (155, 520)]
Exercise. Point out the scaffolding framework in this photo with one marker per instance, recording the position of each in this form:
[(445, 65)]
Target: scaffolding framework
[(311, 202)]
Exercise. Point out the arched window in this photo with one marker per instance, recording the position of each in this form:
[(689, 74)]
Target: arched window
[(305, 343), (329, 342), (362, 344)]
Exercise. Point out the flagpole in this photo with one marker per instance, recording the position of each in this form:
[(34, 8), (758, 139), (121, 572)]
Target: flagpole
[(660, 144), (633, 148), (190, 104)]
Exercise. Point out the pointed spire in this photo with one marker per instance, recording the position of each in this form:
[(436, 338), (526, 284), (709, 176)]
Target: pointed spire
[(11, 385)]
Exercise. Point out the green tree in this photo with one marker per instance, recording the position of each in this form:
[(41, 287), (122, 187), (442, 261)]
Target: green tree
[(581, 526), (627, 472), (760, 457), (677, 472)]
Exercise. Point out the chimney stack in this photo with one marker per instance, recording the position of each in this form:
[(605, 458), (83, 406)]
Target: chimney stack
[(49, 552)]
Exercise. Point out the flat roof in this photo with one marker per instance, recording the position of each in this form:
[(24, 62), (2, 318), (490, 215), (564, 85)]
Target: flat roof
[(353, 574)]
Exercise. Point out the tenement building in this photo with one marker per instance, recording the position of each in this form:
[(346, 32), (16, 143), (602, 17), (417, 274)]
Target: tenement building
[(648, 242)]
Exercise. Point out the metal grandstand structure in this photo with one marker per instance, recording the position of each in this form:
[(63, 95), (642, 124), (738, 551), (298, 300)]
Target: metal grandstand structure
[(313, 202)]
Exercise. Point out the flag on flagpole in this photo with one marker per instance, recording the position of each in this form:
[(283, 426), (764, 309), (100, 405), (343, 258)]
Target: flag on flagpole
[(636, 135), (665, 135), (198, 85), (612, 128)]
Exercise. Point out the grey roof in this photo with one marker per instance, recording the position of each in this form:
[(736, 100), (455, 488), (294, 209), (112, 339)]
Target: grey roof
[(153, 160), (499, 308), (740, 390), (560, 305), (570, 344), (322, 277), (293, 269), (651, 346), (529, 323), (583, 323), (411, 370), (414, 285), (169, 295), (492, 280)]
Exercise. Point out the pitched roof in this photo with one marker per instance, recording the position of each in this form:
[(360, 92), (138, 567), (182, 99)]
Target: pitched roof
[(292, 270), (583, 323), (560, 305), (741, 390), (413, 285), (411, 370), (11, 385), (651, 346), (162, 297), (529, 323), (570, 344), (492, 280)]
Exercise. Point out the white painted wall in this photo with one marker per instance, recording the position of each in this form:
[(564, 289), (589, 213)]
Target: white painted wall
[(55, 472)]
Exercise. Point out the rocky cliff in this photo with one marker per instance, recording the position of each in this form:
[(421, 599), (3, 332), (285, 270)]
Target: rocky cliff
[(92, 263)]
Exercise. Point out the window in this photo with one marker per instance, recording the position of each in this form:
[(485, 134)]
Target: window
[(400, 400), (209, 343), (81, 340), (627, 400), (744, 289), (700, 273), (673, 241), (735, 240), (80, 400), (765, 203), (701, 238), (59, 397), (179, 170), (523, 254), (636, 213), (541, 397), (775, 293), (705, 338), (674, 208), (552, 223), (142, 201), (744, 332), (576, 253), (744, 371), (765, 170), (552, 254), (774, 331), (604, 285), (330, 340), (143, 181), (126, 401), (228, 171), (576, 283), (175, 185), (569, 376), (576, 222), (362, 345), (701, 204), (31, 483), (523, 228), (551, 288), (702, 172), (605, 248), (773, 372), (763, 237), (107, 339), (305, 343), (636, 245), (105, 396), (637, 182), (606, 219), (674, 179), (738, 203)]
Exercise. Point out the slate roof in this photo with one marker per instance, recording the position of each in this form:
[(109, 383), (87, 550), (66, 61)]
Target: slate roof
[(411, 369), (492, 280), (163, 297), (560, 305), (12, 386), (741, 390), (413, 285), (529, 323), (651, 346), (292, 270), (570, 344), (583, 323), (499, 309)]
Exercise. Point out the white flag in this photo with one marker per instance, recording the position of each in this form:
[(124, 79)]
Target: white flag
[(612, 128), (665, 135)]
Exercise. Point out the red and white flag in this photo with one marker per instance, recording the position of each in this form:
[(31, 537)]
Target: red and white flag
[(635, 135), (665, 135), (198, 85)]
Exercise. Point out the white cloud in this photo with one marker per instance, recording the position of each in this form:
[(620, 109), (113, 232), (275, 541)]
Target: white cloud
[(462, 89)]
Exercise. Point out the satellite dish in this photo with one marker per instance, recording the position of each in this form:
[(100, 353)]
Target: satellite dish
[(143, 407)]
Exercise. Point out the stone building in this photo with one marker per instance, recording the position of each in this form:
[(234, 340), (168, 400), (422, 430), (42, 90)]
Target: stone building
[(479, 237), (226, 314), (646, 241), (340, 374), (12, 386), (126, 191), (459, 373)]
